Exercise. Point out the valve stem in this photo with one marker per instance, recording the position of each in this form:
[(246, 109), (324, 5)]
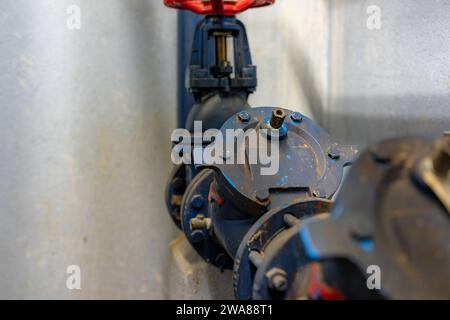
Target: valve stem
[(277, 119), (221, 48)]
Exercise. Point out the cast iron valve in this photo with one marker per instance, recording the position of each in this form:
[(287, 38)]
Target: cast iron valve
[(386, 237)]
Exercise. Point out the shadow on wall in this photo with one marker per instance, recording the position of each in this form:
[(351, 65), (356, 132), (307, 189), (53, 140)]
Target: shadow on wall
[(304, 75), (368, 119), (365, 120)]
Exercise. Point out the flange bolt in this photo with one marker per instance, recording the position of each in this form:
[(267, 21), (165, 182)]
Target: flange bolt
[(200, 222), (277, 279), (262, 195), (244, 116), (297, 117), (197, 202), (197, 236)]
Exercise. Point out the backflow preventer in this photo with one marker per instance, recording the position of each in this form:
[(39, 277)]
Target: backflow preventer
[(263, 207)]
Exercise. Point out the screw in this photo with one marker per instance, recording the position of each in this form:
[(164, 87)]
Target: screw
[(197, 202), (277, 279), (262, 195), (441, 156), (277, 119), (297, 117), (244, 116), (197, 236), (200, 222)]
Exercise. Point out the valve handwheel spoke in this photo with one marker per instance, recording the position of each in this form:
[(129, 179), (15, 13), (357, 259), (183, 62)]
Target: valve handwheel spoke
[(217, 7)]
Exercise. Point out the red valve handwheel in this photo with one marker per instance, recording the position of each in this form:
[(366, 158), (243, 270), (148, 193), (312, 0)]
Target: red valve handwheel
[(217, 7)]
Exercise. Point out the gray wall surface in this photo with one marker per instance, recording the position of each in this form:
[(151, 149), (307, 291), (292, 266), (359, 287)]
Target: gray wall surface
[(87, 116), (362, 85), (85, 147), (389, 82)]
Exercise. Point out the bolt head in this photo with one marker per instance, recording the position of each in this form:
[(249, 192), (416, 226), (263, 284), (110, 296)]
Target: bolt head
[(262, 195), (277, 279), (279, 282), (297, 117), (244, 116), (197, 202), (197, 236)]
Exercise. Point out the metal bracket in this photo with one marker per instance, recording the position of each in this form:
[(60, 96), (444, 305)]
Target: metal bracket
[(200, 76)]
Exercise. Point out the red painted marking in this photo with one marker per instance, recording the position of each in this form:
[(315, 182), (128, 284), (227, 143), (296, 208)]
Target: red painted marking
[(215, 196)]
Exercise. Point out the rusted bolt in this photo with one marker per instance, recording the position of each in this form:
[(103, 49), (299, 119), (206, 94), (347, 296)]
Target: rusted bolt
[(277, 119), (244, 116), (441, 156), (277, 279), (200, 222), (197, 202)]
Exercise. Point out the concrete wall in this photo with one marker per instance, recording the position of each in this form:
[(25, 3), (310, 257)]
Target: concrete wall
[(319, 57), (389, 82), (85, 125)]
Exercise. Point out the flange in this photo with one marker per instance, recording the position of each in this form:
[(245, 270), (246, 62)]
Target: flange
[(310, 163), (261, 234)]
